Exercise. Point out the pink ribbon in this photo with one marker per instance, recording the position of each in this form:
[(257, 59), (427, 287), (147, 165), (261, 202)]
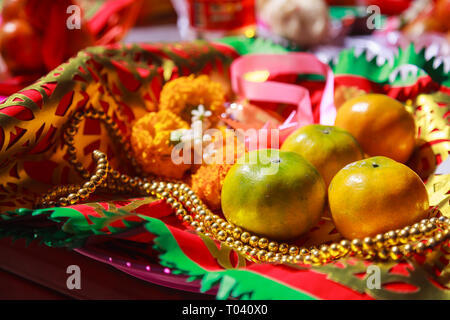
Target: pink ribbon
[(272, 91)]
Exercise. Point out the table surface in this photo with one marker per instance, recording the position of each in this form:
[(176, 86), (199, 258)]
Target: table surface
[(40, 272)]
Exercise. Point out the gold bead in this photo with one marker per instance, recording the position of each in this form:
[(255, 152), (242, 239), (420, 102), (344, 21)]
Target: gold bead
[(101, 173), (308, 259), (395, 253), (72, 198), (344, 246), (407, 249), (79, 167), (176, 205), (133, 182), (63, 201), (423, 228), (208, 220), (391, 237), (433, 220), (356, 245), (438, 237), (334, 249), (237, 232), (431, 243), (180, 212), (263, 242), (194, 224), (229, 228), (414, 233), (383, 254), (96, 179), (165, 194), (103, 165), (223, 225), (420, 247), (83, 193), (298, 258), (70, 140), (443, 219), (215, 227), (270, 256), (254, 252), (72, 160), (379, 241), (237, 244), (403, 236), (284, 248), (229, 241), (246, 249), (367, 243), (273, 246), (324, 249), (170, 200), (245, 237), (200, 230), (221, 235), (187, 218), (71, 131), (254, 241), (316, 255)]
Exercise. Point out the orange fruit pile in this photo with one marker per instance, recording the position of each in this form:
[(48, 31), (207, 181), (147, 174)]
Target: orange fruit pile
[(365, 196)]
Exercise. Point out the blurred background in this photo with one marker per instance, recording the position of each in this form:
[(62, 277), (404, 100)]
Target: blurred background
[(38, 35)]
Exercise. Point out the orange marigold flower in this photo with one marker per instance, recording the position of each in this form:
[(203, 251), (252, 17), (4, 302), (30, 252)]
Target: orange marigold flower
[(150, 137), (184, 94), (208, 180), (207, 183)]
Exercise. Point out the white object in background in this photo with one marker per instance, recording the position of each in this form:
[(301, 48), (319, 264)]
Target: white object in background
[(444, 167)]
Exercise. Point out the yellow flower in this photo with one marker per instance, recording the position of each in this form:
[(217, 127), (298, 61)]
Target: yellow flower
[(150, 140), (184, 94)]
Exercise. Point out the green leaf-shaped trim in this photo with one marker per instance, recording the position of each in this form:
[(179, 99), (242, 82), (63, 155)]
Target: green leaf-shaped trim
[(236, 283), (350, 64)]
